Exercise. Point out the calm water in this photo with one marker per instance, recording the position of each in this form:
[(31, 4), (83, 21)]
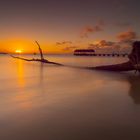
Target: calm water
[(46, 102)]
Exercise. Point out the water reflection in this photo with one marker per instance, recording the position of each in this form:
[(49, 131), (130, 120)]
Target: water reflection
[(41, 71), (134, 91), (20, 73), (31, 88)]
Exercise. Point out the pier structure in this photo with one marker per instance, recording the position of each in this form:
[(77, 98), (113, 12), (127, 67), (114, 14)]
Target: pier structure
[(91, 52)]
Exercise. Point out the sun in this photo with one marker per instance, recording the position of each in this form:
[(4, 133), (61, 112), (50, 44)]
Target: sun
[(18, 51)]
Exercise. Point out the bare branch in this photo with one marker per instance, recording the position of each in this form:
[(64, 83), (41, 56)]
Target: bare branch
[(39, 60), (40, 50), (42, 60), (22, 58)]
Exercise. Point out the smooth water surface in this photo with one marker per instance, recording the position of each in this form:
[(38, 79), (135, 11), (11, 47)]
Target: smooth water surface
[(48, 102)]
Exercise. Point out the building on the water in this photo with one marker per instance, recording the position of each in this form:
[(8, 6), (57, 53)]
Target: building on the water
[(86, 52)]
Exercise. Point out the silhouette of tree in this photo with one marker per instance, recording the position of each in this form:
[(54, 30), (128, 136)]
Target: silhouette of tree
[(42, 59)]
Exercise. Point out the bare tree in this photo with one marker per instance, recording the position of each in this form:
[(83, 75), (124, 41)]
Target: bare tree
[(42, 59)]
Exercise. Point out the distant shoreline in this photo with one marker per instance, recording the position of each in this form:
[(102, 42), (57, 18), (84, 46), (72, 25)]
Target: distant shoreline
[(3, 53)]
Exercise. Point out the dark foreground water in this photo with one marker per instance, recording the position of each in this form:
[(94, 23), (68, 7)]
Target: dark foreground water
[(46, 102)]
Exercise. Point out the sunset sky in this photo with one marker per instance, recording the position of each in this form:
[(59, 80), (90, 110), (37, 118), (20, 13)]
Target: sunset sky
[(61, 26)]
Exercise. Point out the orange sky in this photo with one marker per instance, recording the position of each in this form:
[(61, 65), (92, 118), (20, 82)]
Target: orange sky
[(61, 22), (27, 46)]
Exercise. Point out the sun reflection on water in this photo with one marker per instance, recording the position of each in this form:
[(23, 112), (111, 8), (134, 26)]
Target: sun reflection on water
[(20, 73)]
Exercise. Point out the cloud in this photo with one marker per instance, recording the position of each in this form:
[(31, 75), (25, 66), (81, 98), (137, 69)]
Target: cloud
[(92, 46), (70, 48), (101, 44), (63, 43), (66, 45), (127, 36), (91, 29), (124, 43), (104, 46), (105, 43)]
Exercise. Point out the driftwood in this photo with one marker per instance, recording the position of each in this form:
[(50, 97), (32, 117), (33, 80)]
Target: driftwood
[(42, 60), (132, 64), (127, 66)]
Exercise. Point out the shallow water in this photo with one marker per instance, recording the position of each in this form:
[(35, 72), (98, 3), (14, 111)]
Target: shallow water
[(47, 102)]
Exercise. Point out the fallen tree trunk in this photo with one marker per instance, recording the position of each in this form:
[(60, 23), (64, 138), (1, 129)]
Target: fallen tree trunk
[(127, 66)]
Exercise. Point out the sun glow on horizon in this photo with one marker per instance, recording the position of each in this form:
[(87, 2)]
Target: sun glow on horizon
[(25, 46), (18, 51)]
